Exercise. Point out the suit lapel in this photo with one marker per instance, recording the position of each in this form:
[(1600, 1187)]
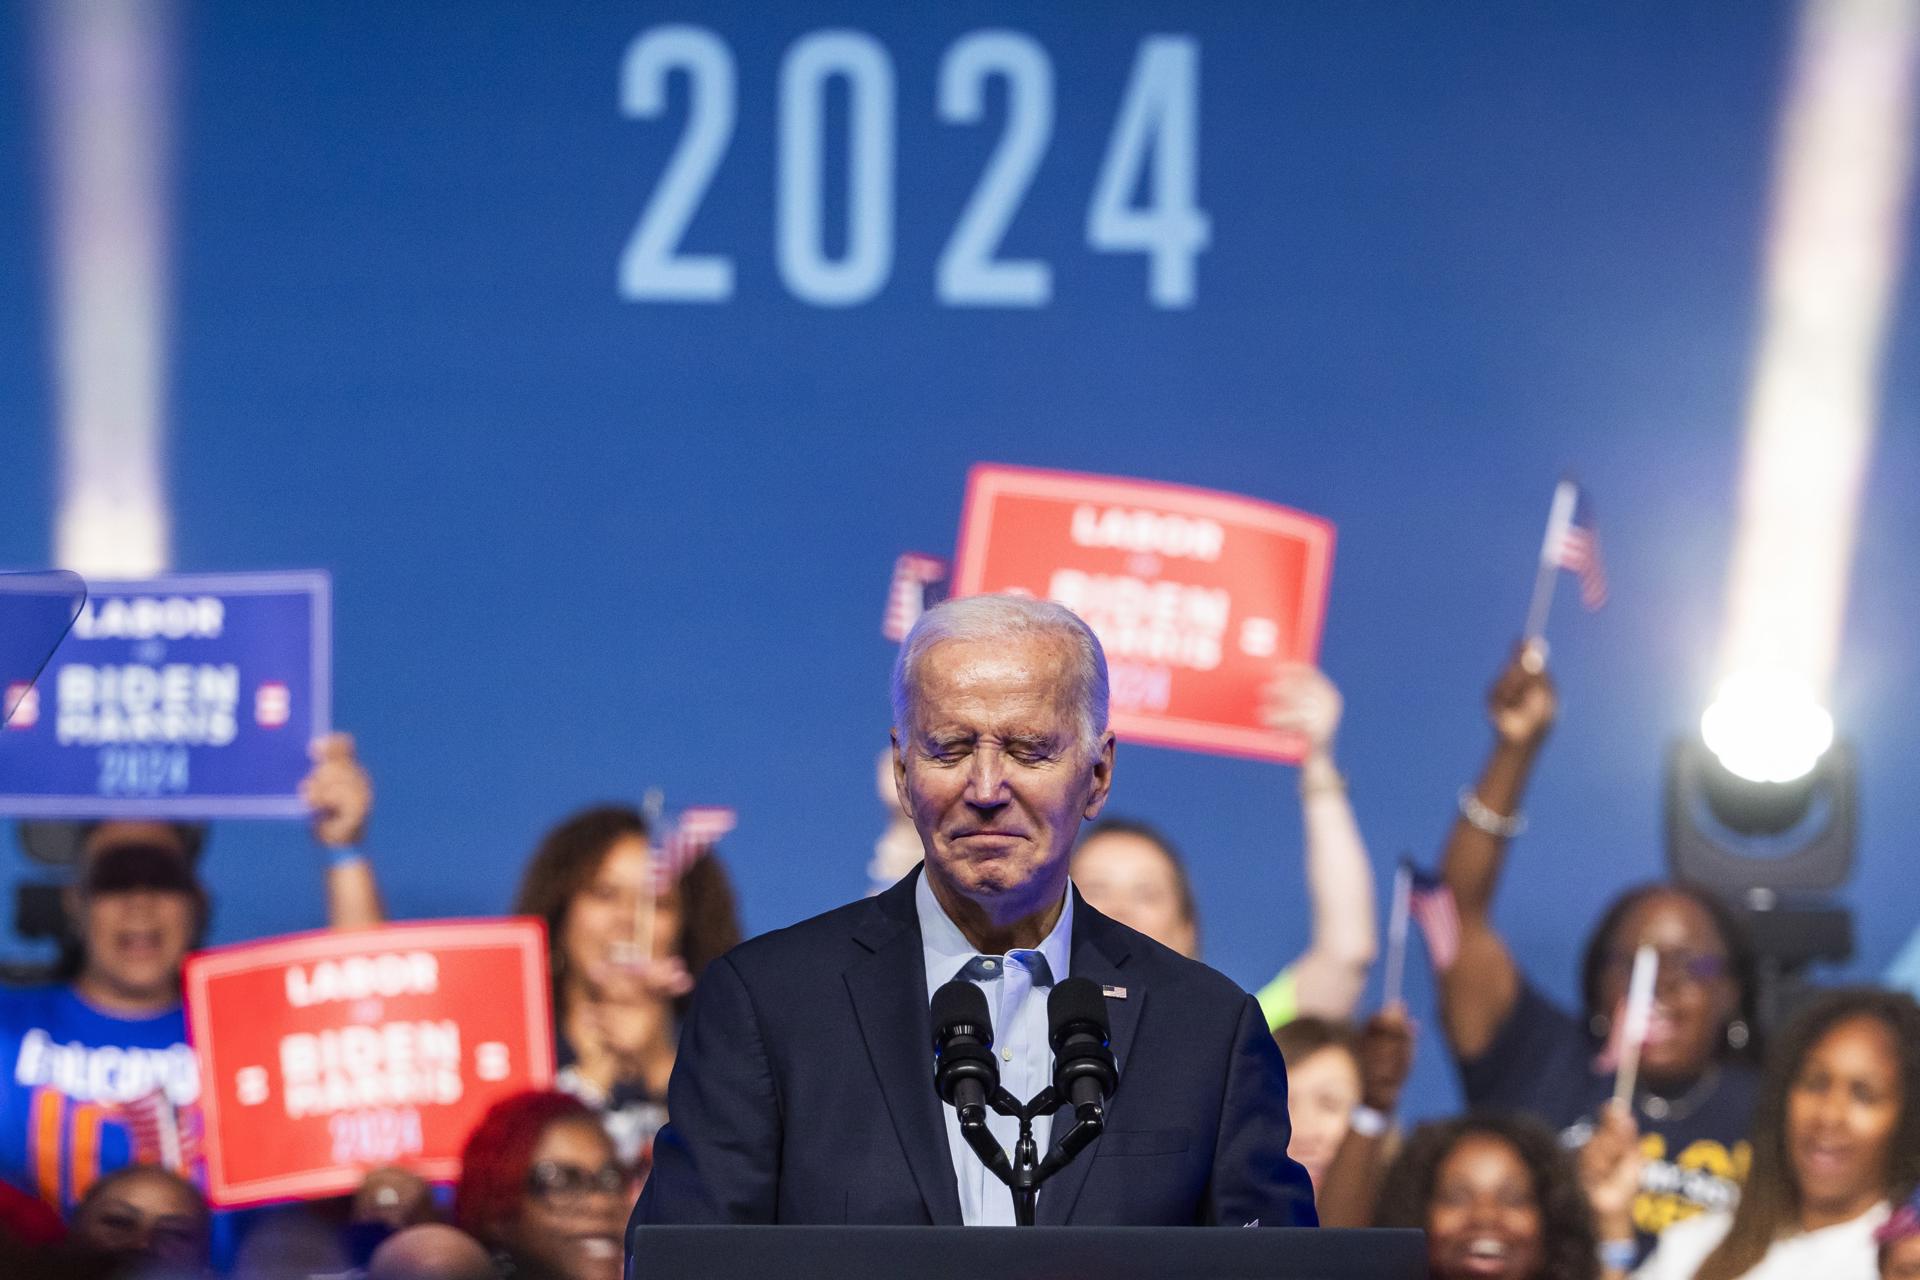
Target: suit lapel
[(1100, 953), (888, 988)]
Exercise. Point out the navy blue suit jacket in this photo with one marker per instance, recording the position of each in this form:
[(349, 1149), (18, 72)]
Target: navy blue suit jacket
[(803, 1092)]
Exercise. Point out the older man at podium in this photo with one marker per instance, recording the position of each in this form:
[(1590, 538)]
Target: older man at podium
[(804, 1090)]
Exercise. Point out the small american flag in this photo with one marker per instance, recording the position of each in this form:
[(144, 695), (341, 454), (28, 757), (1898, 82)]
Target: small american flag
[(1573, 543), (1430, 901), (915, 580), (692, 837), (154, 1126)]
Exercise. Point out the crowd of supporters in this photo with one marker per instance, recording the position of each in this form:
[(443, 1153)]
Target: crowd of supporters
[(1744, 1150)]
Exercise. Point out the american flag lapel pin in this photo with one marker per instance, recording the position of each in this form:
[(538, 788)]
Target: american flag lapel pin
[(1113, 992)]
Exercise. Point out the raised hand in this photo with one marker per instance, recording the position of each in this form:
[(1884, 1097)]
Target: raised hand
[(658, 978), (1300, 699), (1521, 705), (1610, 1172), (397, 1197), (1385, 1050), (338, 792)]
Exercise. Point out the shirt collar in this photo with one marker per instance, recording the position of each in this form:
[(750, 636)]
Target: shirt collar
[(947, 950)]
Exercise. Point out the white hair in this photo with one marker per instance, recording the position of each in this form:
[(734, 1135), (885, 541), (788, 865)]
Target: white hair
[(1002, 618)]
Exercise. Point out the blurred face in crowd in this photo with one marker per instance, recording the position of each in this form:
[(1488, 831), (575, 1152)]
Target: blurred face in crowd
[(136, 909), (1695, 996), (430, 1251), (1127, 876), (1842, 1112), (604, 920), (575, 1206), (1484, 1222), (145, 1216), (994, 774), (1323, 1088)]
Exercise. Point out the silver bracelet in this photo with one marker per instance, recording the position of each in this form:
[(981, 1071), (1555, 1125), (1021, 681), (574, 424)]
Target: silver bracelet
[(1369, 1122), (1484, 819), (1618, 1255)]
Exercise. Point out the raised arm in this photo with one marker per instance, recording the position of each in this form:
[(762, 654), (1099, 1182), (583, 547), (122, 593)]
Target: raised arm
[(1479, 991), (340, 794), (1330, 975), (1351, 1184)]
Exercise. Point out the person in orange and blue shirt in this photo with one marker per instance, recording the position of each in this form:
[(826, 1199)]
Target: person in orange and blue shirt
[(95, 1071)]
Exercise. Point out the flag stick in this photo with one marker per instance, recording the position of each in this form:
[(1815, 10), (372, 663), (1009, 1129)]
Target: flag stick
[(651, 808), (1543, 584), (170, 1156), (1646, 970), (1559, 519), (1397, 935)]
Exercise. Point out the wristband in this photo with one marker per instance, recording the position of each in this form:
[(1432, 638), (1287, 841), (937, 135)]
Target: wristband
[(1617, 1255), (1475, 811), (344, 856), (1368, 1122), (1333, 781)]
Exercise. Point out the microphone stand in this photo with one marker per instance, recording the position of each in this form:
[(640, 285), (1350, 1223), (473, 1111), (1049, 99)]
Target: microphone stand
[(1027, 1171)]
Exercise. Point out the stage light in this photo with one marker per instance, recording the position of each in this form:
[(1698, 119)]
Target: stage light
[(1774, 852), (1761, 805), (1766, 726)]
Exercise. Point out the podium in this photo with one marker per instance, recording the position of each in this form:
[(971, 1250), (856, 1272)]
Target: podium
[(1022, 1253)]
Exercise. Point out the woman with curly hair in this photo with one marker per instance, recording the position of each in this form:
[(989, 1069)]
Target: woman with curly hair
[(616, 1010), (1497, 1197), (1836, 1140)]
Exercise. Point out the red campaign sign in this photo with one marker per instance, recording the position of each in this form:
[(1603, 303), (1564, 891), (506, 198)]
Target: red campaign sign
[(1195, 595), (323, 1055)]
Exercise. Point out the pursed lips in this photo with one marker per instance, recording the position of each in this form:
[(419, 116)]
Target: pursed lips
[(986, 833)]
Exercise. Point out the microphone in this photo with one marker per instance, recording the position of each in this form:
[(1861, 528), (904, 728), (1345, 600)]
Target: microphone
[(964, 1072), (1083, 1068)]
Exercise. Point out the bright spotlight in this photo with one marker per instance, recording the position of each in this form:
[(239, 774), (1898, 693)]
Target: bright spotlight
[(1767, 726)]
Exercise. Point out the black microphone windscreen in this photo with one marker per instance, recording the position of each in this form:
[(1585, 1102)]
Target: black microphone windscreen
[(1076, 1000), (960, 1003)]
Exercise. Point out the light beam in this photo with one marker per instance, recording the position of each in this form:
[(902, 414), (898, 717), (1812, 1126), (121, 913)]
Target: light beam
[(106, 109), (1834, 248)]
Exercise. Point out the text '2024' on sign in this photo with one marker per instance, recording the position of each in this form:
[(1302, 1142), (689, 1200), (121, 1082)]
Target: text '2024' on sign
[(1144, 199)]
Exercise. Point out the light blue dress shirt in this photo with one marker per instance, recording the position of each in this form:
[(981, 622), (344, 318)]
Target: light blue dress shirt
[(1016, 987)]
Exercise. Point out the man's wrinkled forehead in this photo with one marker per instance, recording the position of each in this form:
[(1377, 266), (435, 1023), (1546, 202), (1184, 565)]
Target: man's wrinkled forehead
[(1017, 688)]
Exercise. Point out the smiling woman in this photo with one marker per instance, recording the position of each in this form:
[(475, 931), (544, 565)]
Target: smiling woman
[(1497, 1197), (1835, 1139), (626, 947), (541, 1187)]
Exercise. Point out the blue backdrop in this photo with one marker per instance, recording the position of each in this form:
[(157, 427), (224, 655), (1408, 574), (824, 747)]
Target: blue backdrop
[(584, 544)]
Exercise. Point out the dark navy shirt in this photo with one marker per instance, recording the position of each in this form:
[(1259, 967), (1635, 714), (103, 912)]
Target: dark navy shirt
[(1541, 1063)]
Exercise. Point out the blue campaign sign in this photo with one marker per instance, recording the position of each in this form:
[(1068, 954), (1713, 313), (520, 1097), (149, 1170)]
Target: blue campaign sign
[(192, 696)]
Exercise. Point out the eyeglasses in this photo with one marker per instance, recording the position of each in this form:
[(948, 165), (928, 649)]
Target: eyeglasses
[(1697, 968), (565, 1186)]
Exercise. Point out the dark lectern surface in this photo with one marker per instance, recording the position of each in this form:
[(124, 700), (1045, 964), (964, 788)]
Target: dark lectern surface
[(1022, 1253)]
